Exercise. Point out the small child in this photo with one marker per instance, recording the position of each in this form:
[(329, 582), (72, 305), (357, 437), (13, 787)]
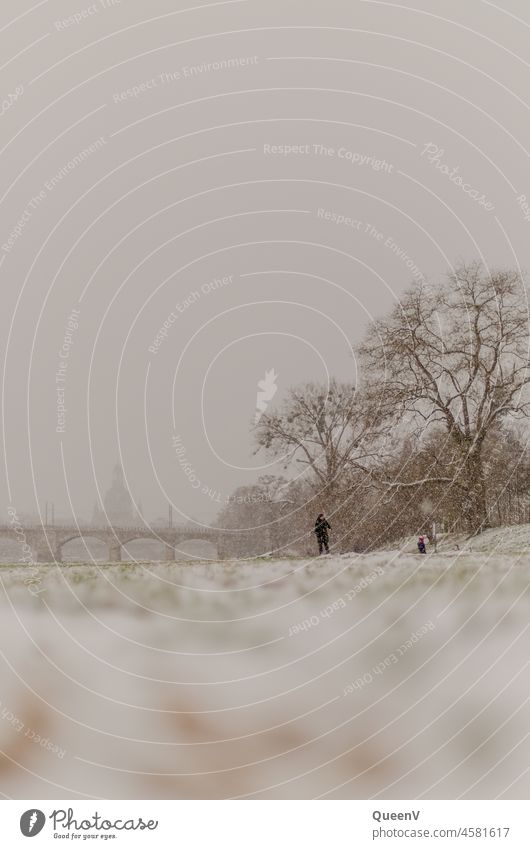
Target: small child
[(421, 545)]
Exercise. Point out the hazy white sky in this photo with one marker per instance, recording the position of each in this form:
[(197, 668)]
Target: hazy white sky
[(235, 139)]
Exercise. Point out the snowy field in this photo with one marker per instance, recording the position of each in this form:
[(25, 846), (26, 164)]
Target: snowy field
[(386, 675)]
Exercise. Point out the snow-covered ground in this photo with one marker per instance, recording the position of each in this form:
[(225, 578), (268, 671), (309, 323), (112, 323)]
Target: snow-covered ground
[(513, 539), (387, 675)]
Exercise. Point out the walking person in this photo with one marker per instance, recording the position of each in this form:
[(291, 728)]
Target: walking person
[(322, 527)]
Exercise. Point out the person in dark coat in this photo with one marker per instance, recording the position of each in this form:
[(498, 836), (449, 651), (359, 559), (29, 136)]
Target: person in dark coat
[(321, 529), (421, 544)]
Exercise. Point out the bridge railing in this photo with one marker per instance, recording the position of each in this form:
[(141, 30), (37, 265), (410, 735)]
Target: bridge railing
[(140, 529)]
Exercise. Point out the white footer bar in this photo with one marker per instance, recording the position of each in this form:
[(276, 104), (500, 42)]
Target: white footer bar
[(266, 824)]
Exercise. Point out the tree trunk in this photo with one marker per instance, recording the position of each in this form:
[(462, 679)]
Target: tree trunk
[(475, 503)]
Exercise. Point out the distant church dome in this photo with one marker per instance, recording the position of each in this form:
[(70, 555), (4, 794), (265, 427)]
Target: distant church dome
[(118, 503)]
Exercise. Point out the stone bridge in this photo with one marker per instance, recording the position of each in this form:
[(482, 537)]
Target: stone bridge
[(47, 542)]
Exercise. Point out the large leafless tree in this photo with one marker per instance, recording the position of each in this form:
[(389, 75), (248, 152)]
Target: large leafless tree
[(325, 430), (455, 354)]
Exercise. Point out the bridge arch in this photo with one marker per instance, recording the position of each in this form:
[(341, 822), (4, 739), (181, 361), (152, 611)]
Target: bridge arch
[(202, 547), (11, 550), (142, 535), (100, 552), (48, 544), (154, 547)]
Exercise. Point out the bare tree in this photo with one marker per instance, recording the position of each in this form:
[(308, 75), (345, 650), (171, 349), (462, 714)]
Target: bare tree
[(325, 429), (455, 354), (508, 477), (257, 513)]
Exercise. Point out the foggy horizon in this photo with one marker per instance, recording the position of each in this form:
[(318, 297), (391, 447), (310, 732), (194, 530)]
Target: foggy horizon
[(319, 187)]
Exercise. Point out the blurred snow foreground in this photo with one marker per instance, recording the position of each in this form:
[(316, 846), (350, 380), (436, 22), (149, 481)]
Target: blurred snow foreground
[(386, 675)]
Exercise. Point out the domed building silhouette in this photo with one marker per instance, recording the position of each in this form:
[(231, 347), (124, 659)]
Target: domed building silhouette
[(119, 508)]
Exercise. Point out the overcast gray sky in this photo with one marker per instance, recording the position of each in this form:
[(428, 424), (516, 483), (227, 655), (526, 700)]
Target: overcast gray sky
[(255, 180)]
